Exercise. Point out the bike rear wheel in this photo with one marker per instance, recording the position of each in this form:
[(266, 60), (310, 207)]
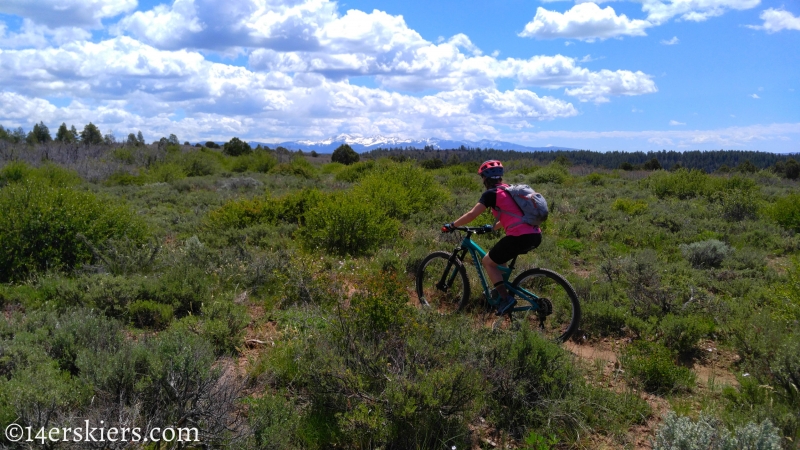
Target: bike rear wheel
[(445, 293), (556, 294)]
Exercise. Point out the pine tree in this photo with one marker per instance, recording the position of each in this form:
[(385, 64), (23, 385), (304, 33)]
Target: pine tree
[(91, 135), (131, 141), (42, 133), (345, 154), (140, 137), (63, 134)]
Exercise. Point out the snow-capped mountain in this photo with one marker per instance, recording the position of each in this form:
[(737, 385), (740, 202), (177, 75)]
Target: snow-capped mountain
[(362, 144)]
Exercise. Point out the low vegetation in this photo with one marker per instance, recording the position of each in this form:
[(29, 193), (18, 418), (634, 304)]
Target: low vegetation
[(263, 296)]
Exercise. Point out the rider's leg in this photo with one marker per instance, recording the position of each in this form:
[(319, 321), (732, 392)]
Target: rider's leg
[(495, 276)]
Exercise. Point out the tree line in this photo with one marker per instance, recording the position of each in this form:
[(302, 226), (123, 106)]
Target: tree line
[(707, 161)]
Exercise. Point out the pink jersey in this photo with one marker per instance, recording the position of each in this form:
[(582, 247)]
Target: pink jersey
[(511, 224)]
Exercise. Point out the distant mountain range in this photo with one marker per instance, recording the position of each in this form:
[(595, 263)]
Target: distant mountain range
[(364, 144)]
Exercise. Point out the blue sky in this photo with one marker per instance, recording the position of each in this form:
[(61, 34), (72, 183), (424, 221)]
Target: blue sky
[(610, 75)]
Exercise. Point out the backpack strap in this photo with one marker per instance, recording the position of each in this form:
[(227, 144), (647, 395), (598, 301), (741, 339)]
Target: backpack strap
[(502, 211)]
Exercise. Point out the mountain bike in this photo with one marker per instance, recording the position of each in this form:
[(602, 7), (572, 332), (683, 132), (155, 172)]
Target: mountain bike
[(544, 298)]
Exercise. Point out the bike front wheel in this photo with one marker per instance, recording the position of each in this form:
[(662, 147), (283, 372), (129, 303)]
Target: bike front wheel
[(442, 284), (553, 308)]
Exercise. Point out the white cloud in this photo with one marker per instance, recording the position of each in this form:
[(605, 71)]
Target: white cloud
[(672, 41), (588, 58), (659, 12), (661, 141), (301, 55), (67, 13), (755, 96), (227, 26), (39, 36), (675, 123), (732, 137), (584, 21), (599, 86), (776, 20)]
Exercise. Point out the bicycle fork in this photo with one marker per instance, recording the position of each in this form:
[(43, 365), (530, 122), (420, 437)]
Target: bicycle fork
[(447, 276)]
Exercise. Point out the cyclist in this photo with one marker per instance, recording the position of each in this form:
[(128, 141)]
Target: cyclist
[(520, 237)]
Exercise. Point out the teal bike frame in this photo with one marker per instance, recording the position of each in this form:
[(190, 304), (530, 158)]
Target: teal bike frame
[(477, 253)]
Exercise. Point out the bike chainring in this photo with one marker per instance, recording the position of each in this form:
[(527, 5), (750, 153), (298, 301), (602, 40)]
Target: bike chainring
[(545, 307)]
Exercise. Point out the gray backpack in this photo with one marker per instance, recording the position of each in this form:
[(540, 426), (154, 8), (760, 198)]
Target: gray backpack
[(533, 205)]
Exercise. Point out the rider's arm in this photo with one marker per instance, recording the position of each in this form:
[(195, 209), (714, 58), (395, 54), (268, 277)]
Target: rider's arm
[(497, 225), (471, 215)]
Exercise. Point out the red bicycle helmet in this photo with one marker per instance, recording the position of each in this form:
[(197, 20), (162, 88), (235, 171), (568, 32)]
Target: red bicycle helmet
[(491, 169)]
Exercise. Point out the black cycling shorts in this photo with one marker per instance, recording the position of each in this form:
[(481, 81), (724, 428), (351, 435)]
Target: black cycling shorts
[(511, 246)]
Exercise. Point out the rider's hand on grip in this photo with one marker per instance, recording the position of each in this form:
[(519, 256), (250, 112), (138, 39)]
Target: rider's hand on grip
[(447, 228), (488, 228)]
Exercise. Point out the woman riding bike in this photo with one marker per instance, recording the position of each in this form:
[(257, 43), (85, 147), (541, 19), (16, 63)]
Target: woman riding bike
[(520, 237)]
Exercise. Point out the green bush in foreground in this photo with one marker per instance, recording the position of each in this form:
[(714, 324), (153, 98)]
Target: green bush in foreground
[(708, 433), (40, 227)]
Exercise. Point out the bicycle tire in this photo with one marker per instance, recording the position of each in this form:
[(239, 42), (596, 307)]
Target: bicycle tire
[(565, 317), (429, 273)]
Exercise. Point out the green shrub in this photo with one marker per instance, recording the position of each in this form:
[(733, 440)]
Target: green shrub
[(705, 254), (274, 419), (223, 325), (553, 173), (200, 163), (629, 207), (299, 167), (165, 173), (239, 214), (601, 318), (650, 365), (399, 190), (354, 172), (570, 245), (382, 307), (40, 227), (15, 172), (183, 287), (347, 225), (260, 161), (682, 183), (595, 179), (682, 333), (708, 433), (149, 314), (124, 155), (49, 174), (786, 212)]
